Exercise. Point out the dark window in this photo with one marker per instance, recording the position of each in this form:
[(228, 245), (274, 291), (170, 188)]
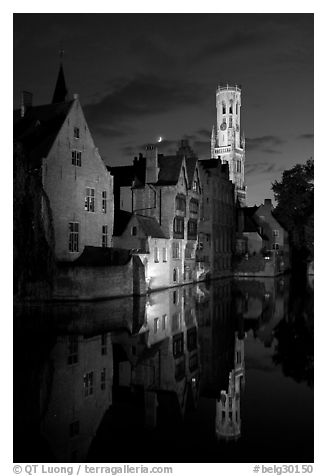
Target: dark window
[(230, 121), (180, 203), (231, 108), (103, 379), (73, 236), (76, 132), (156, 254), (194, 206), (134, 231), (191, 339), (74, 429), (178, 227), (72, 350), (192, 229), (104, 344), (224, 108), (193, 362), (104, 236), (76, 158), (175, 275), (178, 345)]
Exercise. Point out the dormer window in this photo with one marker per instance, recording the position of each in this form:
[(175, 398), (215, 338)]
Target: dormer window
[(134, 231), (195, 186), (76, 132)]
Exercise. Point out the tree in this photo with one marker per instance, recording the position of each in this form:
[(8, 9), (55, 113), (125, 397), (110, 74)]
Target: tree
[(295, 201)]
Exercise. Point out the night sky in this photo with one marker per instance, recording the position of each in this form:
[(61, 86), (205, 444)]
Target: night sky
[(141, 76)]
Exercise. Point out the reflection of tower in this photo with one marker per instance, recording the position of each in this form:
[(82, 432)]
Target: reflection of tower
[(228, 407), (227, 142)]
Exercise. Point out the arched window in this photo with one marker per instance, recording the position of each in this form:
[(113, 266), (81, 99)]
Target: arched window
[(231, 107)]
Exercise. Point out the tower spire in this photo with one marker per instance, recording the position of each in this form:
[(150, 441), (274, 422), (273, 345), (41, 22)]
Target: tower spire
[(60, 92)]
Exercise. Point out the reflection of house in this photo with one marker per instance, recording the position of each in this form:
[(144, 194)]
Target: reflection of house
[(168, 189), (76, 391), (216, 227), (163, 358), (77, 189), (228, 406)]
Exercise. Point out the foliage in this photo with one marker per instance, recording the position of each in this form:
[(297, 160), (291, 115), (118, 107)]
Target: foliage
[(295, 205), (33, 230)]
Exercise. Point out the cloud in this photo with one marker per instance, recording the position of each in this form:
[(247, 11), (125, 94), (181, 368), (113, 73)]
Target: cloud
[(141, 96), (261, 168), (306, 136), (239, 40), (265, 144)]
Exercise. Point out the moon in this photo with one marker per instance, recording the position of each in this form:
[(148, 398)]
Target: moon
[(160, 139)]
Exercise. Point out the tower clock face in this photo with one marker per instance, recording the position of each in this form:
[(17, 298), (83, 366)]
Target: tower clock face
[(223, 126)]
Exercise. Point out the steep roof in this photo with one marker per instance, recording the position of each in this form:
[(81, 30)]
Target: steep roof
[(170, 167), (150, 226), (38, 129), (190, 168), (60, 92), (121, 220)]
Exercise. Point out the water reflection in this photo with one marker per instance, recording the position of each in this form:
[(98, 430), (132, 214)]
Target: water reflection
[(123, 379)]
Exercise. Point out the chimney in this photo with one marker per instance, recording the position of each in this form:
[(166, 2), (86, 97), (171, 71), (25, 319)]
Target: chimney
[(26, 100), (268, 202), (152, 169)]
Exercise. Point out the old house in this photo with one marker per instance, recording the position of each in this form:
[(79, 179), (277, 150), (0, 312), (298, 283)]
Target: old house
[(217, 224), (167, 188), (76, 187)]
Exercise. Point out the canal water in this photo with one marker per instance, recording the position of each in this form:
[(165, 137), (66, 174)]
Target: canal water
[(218, 372)]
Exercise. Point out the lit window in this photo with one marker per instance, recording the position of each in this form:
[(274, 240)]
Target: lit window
[(73, 236), (76, 132), (103, 379), (89, 200), (156, 325), (164, 255), (156, 254), (88, 384), (195, 186), (76, 158), (104, 236), (104, 202), (164, 321), (175, 250), (72, 350)]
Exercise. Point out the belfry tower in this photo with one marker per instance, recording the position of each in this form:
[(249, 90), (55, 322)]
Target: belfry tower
[(227, 141)]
